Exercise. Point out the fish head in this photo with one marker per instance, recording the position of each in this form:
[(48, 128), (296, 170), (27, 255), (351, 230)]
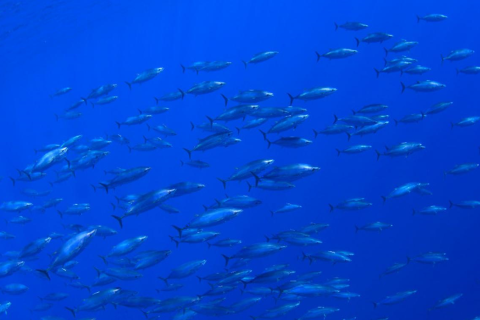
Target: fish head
[(142, 238), (91, 233), (47, 240), (146, 169)]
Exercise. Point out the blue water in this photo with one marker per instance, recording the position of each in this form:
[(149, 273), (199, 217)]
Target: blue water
[(86, 44)]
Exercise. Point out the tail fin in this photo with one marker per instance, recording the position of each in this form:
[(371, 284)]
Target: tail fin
[(224, 182), (457, 71), (245, 63), (336, 26), (451, 203), (338, 152), (269, 144), (72, 311), (118, 124), (291, 98), (164, 280), (156, 100), (148, 126), (413, 212), (60, 213), (386, 51), (210, 120), (209, 245), (358, 41), (145, 139), (129, 85), (104, 186), (93, 104), (315, 132), (452, 124), (249, 186), (356, 229), (192, 126), (353, 111), (378, 154), (318, 56), (145, 314), (418, 18), (176, 242), (179, 230), (349, 135), (189, 153), (335, 119), (264, 134), (181, 163), (226, 99), (119, 219), (226, 259), (374, 304), (238, 130), (272, 213), (104, 259), (45, 272), (378, 72), (183, 93), (13, 181), (396, 122), (331, 207), (403, 86), (384, 199), (56, 116), (443, 59), (257, 178), (183, 68)]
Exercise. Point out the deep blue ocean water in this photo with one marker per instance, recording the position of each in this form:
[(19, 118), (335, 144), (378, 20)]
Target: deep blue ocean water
[(50, 45)]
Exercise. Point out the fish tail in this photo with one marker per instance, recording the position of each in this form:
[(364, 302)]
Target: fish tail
[(269, 143), (338, 152), (199, 278), (374, 304), (418, 18), (226, 99), (45, 272), (451, 203), (396, 122), (318, 55), (93, 104), (145, 314), (104, 259), (183, 93), (129, 149), (13, 181), (60, 213), (148, 126), (266, 237), (156, 100), (84, 100), (315, 132), (129, 85), (443, 59), (238, 130), (244, 284), (118, 124), (183, 68), (94, 188), (72, 311), (189, 153), (226, 259), (245, 64), (335, 118), (176, 242), (56, 116), (210, 120), (119, 219), (291, 98), (249, 186), (413, 212), (224, 182), (336, 26), (378, 72), (331, 207), (452, 124), (192, 126), (209, 245), (257, 178), (179, 230), (164, 280), (384, 199), (403, 86), (358, 41), (264, 134), (181, 163), (104, 186), (386, 51), (356, 229), (349, 135), (378, 154), (385, 62)]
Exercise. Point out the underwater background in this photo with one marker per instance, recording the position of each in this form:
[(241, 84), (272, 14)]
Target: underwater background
[(48, 45)]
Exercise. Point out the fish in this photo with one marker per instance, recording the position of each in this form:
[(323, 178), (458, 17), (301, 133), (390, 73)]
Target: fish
[(277, 311), (462, 168), (354, 149), (351, 204), (469, 70), (433, 17), (171, 96), (402, 149), (396, 267), (313, 94), (146, 75), (205, 87), (184, 270), (424, 86), (61, 92), (286, 208), (374, 37), (396, 298), (447, 301), (371, 108), (375, 226), (134, 120), (457, 55), (245, 171), (337, 54), (14, 289), (465, 122), (287, 123), (319, 312), (416, 70), (260, 57), (289, 142), (438, 107), (257, 250), (467, 204), (249, 96), (104, 101), (351, 26), (430, 210), (401, 46), (430, 258)]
